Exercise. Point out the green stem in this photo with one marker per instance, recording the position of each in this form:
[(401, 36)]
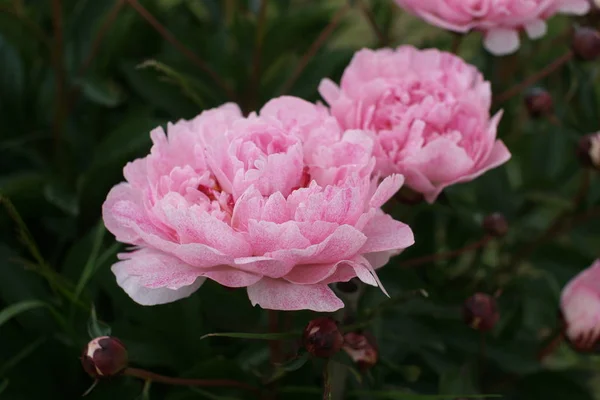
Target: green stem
[(326, 381)]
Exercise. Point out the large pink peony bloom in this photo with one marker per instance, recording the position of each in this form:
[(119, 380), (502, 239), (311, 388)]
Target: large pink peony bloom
[(500, 20), (281, 203), (428, 110), (580, 305)]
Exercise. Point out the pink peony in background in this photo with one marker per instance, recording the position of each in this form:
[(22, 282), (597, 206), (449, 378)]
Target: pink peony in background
[(428, 112), (580, 306), (499, 20), (281, 203)]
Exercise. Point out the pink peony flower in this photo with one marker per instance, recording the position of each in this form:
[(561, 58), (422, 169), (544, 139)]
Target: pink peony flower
[(580, 305), (281, 203), (428, 112), (499, 20)]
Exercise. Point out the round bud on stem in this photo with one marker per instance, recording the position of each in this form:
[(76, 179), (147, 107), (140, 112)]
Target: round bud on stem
[(322, 338), (495, 225), (586, 43), (480, 312), (362, 348), (539, 102), (588, 151), (104, 357)]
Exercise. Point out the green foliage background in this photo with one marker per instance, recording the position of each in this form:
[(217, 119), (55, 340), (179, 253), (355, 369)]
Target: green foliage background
[(74, 111)]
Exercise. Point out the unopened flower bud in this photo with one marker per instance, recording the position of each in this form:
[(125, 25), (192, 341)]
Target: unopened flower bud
[(588, 150), (495, 225), (322, 338), (480, 312), (586, 43), (104, 357), (362, 348), (580, 306), (539, 102)]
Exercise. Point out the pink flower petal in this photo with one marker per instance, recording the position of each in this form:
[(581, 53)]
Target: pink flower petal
[(277, 294), (385, 233), (501, 41), (150, 277), (386, 189)]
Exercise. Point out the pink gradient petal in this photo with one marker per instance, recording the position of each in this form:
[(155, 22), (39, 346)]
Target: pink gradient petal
[(386, 189), (385, 233), (277, 294), (150, 277)]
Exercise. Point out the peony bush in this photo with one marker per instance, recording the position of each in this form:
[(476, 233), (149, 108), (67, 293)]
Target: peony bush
[(299, 199)]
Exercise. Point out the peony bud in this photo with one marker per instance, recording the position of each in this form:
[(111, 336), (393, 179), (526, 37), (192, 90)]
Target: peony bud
[(322, 338), (362, 348), (586, 43), (588, 150), (480, 312), (104, 357), (495, 225), (539, 102), (580, 306)]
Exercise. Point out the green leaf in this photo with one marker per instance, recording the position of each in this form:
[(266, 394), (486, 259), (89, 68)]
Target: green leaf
[(91, 264), (254, 336), (396, 394), (95, 327), (295, 363), (15, 309), (189, 87), (104, 92), (208, 395), (3, 385), (21, 355)]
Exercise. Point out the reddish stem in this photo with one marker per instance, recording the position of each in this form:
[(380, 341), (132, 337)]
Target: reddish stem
[(186, 52), (550, 347), (446, 255), (317, 44), (148, 375), (519, 87), (95, 46), (366, 11)]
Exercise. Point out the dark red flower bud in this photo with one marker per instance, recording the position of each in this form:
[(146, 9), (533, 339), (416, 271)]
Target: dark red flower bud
[(539, 102), (586, 43), (409, 197), (480, 312), (322, 338), (588, 151), (362, 348), (104, 357), (495, 225)]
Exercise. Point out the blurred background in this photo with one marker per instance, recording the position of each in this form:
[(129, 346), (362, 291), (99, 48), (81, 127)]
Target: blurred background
[(82, 82)]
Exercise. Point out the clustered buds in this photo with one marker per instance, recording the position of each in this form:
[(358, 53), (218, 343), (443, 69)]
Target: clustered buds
[(539, 102), (586, 43), (588, 150), (495, 225), (362, 348), (322, 338), (480, 312), (104, 357)]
